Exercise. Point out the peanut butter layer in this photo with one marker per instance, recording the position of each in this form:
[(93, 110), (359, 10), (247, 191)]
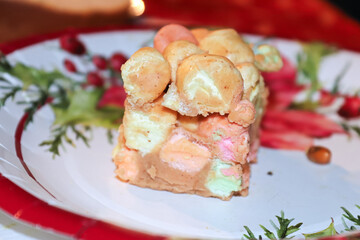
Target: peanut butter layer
[(156, 174), (209, 159)]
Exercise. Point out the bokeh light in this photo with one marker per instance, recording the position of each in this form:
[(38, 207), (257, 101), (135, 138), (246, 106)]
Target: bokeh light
[(137, 7)]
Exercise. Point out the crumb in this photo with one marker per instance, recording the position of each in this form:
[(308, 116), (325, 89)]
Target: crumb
[(152, 171), (270, 173)]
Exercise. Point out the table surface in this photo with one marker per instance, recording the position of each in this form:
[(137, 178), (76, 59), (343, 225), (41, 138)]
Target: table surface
[(19, 19)]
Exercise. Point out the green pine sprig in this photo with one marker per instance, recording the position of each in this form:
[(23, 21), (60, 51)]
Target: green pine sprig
[(4, 64), (251, 235), (349, 128), (11, 91), (75, 108), (347, 227), (282, 231), (60, 136), (348, 215), (34, 105), (31, 106), (339, 77), (110, 136), (81, 135)]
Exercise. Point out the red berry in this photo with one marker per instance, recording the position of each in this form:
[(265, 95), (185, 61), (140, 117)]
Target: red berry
[(113, 96), (69, 65), (350, 108), (94, 79), (100, 62), (116, 61), (72, 44), (326, 98)]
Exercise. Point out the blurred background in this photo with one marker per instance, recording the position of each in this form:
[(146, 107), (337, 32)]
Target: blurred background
[(333, 21)]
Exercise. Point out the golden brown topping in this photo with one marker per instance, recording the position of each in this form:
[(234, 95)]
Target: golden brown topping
[(209, 82), (227, 43), (250, 75), (200, 33), (171, 33), (243, 113), (177, 51), (146, 75)]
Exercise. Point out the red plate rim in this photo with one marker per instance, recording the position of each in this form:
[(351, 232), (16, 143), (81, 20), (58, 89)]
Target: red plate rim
[(25, 207)]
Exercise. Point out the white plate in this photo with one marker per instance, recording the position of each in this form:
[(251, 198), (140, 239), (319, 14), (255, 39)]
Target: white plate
[(82, 179)]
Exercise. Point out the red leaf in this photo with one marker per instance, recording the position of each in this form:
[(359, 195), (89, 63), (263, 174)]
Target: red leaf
[(282, 85), (308, 123), (283, 96), (285, 76), (285, 140)]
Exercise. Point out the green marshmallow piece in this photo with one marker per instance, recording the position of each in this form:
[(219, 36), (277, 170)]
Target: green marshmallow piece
[(218, 183)]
